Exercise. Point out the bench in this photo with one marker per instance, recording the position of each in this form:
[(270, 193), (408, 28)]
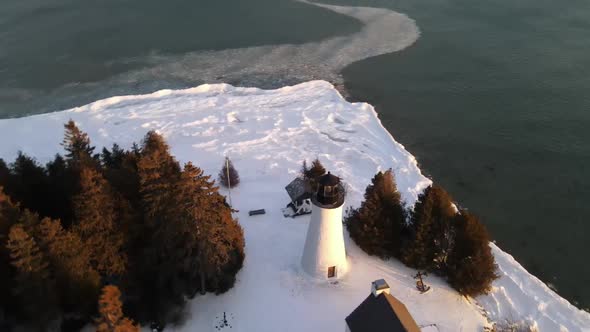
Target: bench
[(256, 212)]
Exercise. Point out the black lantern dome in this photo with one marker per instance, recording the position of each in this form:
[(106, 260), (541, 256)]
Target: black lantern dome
[(330, 192)]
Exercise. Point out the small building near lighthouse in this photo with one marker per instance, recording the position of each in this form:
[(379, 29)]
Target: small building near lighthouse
[(324, 254), (381, 312), (300, 193)]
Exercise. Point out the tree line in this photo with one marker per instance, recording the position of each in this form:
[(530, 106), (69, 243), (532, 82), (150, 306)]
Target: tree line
[(134, 223), (435, 236)]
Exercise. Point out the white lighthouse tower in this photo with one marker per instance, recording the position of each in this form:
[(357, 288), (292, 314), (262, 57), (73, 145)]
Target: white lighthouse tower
[(324, 255)]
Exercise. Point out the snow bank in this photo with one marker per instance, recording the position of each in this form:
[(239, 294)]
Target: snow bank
[(267, 133)]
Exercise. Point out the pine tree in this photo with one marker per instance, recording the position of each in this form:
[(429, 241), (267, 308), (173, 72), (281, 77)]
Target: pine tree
[(228, 176), (63, 183), (77, 281), (96, 223), (431, 221), (471, 268), (120, 169), (77, 144), (111, 313), (136, 149), (4, 173), (9, 215), (34, 288), (195, 191), (316, 170), (112, 158), (159, 236), (219, 237), (377, 225), (130, 217), (313, 173), (158, 173), (28, 184), (106, 158)]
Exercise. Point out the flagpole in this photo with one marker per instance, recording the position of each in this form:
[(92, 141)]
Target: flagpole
[(228, 180)]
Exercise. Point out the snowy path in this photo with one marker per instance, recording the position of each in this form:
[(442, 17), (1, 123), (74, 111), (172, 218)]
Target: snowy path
[(267, 133)]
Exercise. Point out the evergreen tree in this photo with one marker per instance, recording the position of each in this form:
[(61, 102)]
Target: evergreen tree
[(9, 215), (158, 173), (106, 158), (77, 281), (228, 176), (377, 225), (189, 239), (130, 217), (219, 237), (4, 173), (120, 169), (313, 173), (30, 222), (34, 288), (316, 170), (63, 182), (77, 144), (112, 158), (195, 192), (96, 223), (431, 221), (136, 149), (111, 313), (471, 268), (159, 238), (28, 184)]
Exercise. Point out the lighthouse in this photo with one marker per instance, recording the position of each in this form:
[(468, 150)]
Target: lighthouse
[(324, 255)]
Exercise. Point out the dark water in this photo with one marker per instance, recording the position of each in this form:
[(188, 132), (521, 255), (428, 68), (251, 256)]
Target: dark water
[(493, 99), (57, 54)]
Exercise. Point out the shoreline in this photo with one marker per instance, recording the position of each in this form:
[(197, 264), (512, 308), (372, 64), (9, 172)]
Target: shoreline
[(349, 97), (339, 84), (97, 121)]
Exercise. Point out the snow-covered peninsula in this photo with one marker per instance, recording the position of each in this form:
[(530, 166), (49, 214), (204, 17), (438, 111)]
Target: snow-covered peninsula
[(267, 133)]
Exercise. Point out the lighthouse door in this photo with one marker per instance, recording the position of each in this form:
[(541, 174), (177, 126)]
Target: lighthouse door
[(331, 272)]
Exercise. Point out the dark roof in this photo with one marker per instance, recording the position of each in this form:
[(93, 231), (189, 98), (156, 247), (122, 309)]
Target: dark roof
[(382, 313), (380, 284), (329, 179), (298, 189)]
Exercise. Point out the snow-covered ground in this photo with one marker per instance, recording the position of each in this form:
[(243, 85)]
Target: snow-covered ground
[(267, 133)]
